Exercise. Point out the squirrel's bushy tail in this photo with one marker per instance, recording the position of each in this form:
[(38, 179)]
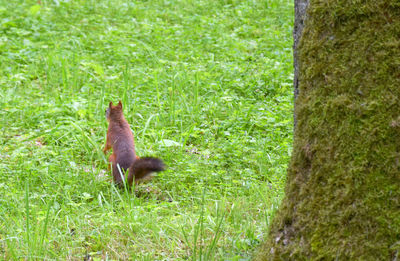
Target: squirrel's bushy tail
[(143, 167)]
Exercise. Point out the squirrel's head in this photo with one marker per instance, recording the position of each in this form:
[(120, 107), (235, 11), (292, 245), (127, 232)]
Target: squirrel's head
[(114, 112)]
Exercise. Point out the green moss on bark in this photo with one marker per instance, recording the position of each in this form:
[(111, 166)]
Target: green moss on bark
[(343, 188)]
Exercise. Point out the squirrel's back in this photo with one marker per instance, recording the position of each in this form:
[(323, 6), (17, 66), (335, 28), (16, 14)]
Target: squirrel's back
[(120, 139)]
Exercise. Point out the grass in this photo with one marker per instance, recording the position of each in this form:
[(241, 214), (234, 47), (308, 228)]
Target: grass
[(206, 86)]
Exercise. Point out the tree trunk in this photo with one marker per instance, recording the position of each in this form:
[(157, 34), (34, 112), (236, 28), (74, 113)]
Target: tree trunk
[(342, 198), (300, 7)]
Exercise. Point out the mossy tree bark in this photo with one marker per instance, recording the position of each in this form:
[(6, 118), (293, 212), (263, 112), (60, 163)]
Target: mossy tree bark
[(342, 198), (300, 8)]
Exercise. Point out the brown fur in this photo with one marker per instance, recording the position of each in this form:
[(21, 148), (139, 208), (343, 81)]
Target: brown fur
[(120, 139)]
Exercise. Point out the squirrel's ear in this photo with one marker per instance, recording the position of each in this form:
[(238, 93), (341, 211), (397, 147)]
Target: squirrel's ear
[(110, 104), (120, 104)]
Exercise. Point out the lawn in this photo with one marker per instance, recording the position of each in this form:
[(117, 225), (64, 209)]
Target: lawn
[(206, 86)]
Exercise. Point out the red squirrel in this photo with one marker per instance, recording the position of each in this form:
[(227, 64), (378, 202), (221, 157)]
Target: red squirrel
[(124, 158)]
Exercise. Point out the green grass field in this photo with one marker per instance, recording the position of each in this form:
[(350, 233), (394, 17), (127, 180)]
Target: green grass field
[(206, 86)]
